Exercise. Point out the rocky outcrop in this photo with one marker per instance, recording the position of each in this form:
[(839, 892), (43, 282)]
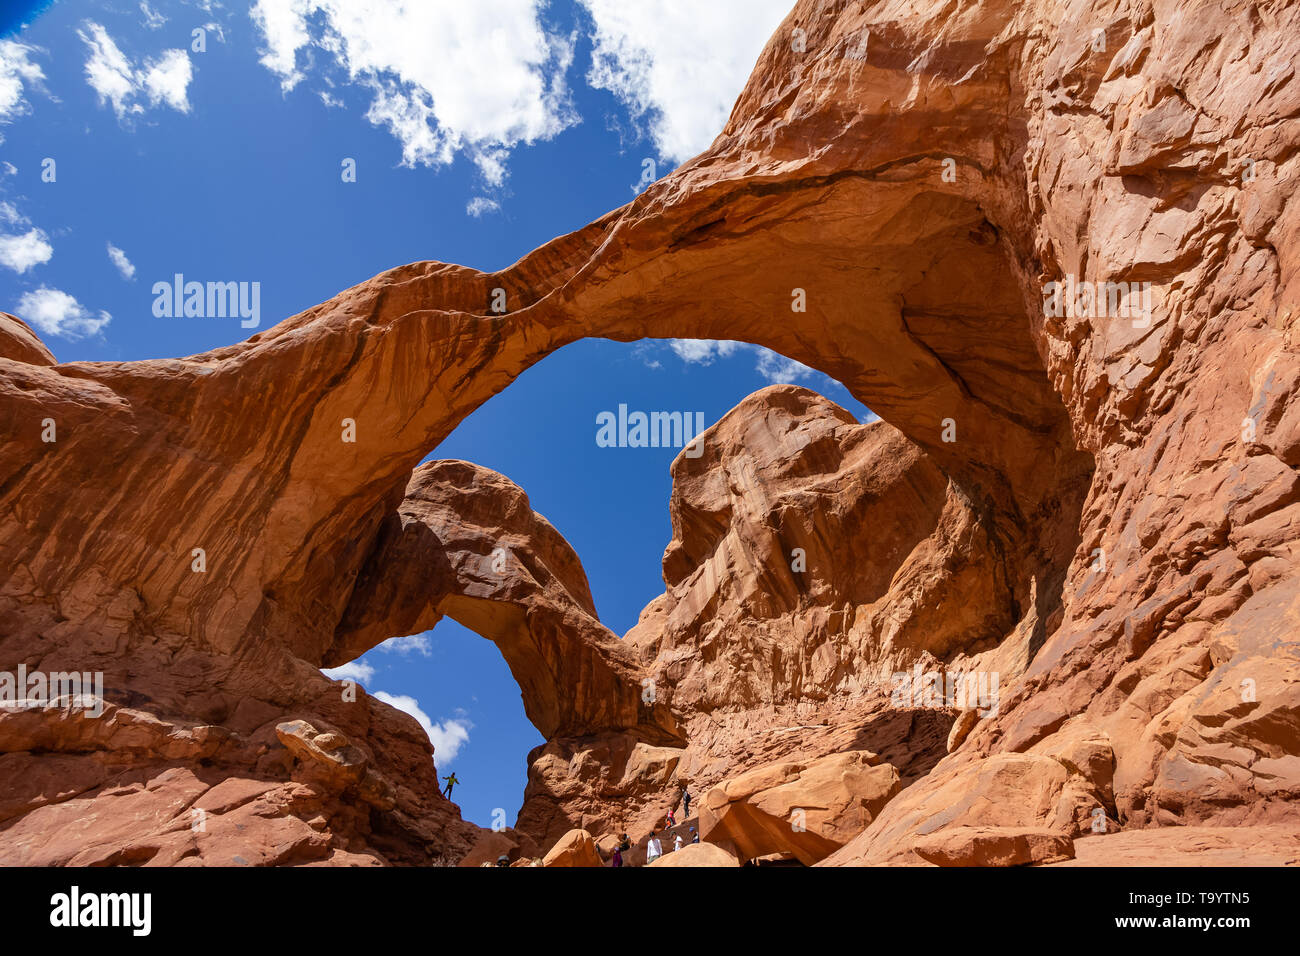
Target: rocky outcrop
[(606, 784), (1101, 508), (575, 848), (806, 811), (464, 542), (993, 846), (20, 344), (697, 854)]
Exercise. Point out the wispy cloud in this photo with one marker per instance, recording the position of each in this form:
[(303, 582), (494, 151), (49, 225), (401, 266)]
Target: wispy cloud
[(164, 79), (152, 18), (357, 670), (777, 369), (480, 205), (703, 351), (412, 644), (17, 72), (121, 262), (772, 367)]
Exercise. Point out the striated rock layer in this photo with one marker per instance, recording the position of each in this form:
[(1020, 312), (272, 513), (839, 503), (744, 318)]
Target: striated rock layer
[(1102, 509)]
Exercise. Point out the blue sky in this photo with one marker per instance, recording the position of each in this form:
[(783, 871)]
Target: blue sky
[(477, 135)]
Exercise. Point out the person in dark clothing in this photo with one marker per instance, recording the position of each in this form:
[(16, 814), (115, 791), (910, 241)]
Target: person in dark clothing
[(695, 837), (686, 803), (617, 857)]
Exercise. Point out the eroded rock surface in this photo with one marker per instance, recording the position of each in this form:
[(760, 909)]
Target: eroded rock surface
[(1112, 528), (806, 811), (464, 542)]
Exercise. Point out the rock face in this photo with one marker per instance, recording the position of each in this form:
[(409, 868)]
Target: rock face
[(464, 542), (993, 846), (575, 848), (697, 854), (1097, 503), (20, 344), (804, 811)]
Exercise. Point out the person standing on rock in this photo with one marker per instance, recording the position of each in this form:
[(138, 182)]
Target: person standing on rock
[(686, 803), (677, 843), (451, 781), (653, 849), (616, 858), (669, 819)]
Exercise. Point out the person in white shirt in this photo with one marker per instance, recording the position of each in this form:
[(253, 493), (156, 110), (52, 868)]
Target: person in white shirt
[(677, 843), (653, 850)]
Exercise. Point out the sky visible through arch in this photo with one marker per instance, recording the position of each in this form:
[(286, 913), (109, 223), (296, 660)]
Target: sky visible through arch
[(139, 140)]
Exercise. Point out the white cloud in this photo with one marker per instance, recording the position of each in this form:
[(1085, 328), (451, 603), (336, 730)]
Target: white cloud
[(679, 64), (446, 76), (56, 313), (645, 352), (16, 70), (216, 28), (167, 80), (703, 351), (770, 365), (357, 670), (120, 260), (778, 369), (22, 250), (481, 204), (447, 737), (152, 18), (163, 79), (412, 644)]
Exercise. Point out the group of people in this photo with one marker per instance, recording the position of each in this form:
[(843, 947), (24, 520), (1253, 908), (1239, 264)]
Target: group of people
[(654, 846)]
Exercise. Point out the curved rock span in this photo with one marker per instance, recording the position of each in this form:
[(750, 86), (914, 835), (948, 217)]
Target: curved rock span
[(1053, 247)]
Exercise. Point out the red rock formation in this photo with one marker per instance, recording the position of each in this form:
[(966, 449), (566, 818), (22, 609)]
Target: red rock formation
[(464, 542), (575, 848), (19, 343), (806, 811), (1113, 528), (697, 854)]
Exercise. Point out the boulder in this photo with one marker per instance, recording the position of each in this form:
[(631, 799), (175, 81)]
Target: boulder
[(993, 846), (575, 848), (804, 810), (697, 854)]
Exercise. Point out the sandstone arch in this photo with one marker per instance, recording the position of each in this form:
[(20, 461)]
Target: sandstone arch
[(864, 222), (465, 543), (1118, 163)]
